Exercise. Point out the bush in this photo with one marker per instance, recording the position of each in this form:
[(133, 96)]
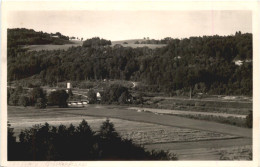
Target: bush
[(40, 103), (23, 101), (14, 99), (59, 98), (92, 96), (116, 93), (36, 94)]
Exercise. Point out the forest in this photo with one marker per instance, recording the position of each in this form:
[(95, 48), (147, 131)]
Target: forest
[(206, 64)]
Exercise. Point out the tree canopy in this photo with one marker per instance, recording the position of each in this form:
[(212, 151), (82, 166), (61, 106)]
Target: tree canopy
[(206, 63), (58, 97)]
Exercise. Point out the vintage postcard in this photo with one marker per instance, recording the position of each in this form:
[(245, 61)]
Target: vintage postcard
[(129, 83)]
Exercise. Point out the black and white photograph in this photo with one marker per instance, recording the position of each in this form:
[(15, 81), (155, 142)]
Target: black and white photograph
[(128, 84)]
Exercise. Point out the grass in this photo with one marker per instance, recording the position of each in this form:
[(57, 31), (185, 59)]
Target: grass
[(240, 122), (201, 105), (236, 153), (51, 47), (122, 112), (140, 132)]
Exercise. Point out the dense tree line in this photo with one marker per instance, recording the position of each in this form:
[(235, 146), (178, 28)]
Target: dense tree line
[(58, 97), (22, 97), (96, 42), (202, 64), (77, 143), (22, 36), (116, 93), (154, 41), (37, 97)]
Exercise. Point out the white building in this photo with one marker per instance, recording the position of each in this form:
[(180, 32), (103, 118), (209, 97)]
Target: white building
[(68, 85)]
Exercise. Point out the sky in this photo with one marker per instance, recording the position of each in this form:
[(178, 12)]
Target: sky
[(122, 25)]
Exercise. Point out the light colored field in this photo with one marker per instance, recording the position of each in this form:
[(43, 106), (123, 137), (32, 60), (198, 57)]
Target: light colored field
[(121, 112), (152, 46), (79, 43), (231, 149), (51, 47), (180, 112), (139, 132), (227, 153)]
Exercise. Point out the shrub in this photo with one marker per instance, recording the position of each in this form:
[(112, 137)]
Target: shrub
[(92, 96), (36, 94), (23, 101), (40, 103), (14, 99), (59, 98), (116, 93)]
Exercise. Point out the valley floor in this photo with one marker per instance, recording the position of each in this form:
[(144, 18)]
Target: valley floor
[(188, 138)]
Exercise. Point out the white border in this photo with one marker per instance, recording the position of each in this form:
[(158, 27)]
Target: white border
[(254, 6)]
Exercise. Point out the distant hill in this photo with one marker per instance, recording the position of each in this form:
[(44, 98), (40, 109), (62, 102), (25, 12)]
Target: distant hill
[(23, 36), (124, 43), (134, 43)]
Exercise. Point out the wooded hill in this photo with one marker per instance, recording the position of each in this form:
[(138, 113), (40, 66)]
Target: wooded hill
[(205, 64), (22, 36)]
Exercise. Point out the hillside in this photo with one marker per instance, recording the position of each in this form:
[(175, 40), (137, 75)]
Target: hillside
[(132, 43), (21, 36), (203, 64), (124, 43)]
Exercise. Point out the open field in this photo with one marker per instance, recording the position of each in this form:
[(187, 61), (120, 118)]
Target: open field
[(50, 47), (209, 150), (53, 47), (139, 132), (130, 43), (180, 112), (238, 105), (166, 132)]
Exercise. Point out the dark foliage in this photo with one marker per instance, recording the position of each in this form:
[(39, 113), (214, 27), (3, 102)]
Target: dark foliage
[(116, 93), (202, 64), (96, 42), (38, 97), (22, 36), (92, 96), (153, 41), (77, 143), (58, 97)]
